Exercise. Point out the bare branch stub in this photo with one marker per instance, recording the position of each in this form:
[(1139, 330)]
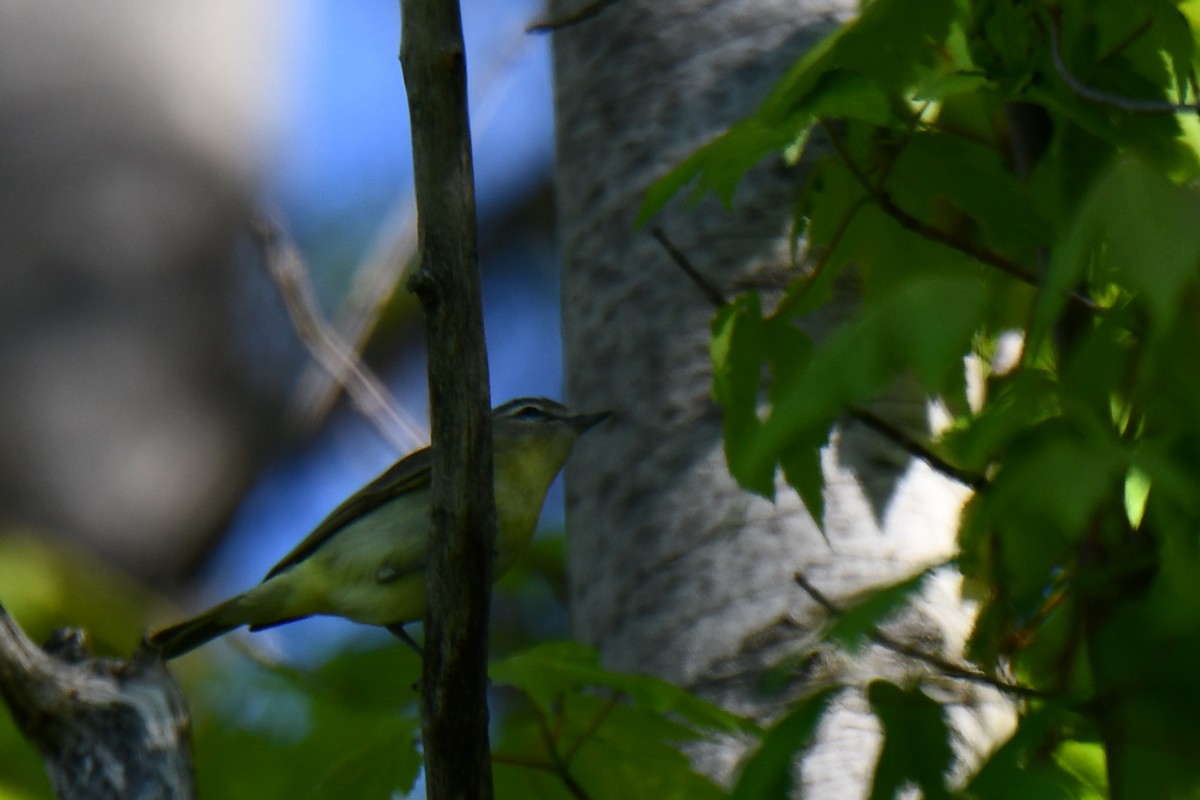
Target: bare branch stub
[(585, 13), (104, 728)]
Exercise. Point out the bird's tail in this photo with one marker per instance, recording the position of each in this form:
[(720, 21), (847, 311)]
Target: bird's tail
[(191, 633)]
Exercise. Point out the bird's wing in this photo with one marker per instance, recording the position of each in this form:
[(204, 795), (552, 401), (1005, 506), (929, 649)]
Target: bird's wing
[(407, 474)]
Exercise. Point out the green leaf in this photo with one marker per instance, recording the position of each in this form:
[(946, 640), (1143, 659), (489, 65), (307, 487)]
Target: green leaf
[(802, 470), (1135, 228), (1137, 492), (788, 353), (860, 71), (1025, 765), (549, 670), (1174, 595), (1157, 746), (382, 763), (721, 163), (1052, 482), (939, 87), (925, 327), (858, 622), (892, 40), (738, 349), (768, 771), (598, 746), (842, 93), (1085, 762), (937, 169), (1018, 402), (916, 742)]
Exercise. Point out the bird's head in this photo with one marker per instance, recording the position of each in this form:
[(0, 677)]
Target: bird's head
[(538, 431)]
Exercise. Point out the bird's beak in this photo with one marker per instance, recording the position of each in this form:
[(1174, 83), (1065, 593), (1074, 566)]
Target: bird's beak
[(583, 422)]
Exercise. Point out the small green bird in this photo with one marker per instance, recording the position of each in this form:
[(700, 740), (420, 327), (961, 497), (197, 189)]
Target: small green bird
[(366, 560)]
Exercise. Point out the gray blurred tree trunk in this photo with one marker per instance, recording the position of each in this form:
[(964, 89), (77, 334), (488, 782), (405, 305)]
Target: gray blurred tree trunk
[(673, 569), (131, 416)]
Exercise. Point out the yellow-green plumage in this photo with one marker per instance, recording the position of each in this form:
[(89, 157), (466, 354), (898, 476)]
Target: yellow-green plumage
[(365, 561)]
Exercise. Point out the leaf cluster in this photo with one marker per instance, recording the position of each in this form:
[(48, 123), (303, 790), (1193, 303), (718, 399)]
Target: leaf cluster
[(990, 172)]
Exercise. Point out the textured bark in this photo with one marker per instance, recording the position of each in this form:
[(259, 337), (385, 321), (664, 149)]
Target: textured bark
[(673, 569), (106, 730), (454, 712)]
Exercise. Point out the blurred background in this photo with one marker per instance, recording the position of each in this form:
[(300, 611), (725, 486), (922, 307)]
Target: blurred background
[(164, 436)]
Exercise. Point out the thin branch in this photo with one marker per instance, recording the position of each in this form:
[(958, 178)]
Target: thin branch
[(286, 270), (1129, 104), (561, 768), (709, 290), (918, 449), (527, 763), (880, 197), (945, 667), (914, 122), (592, 727), (583, 14), (980, 254), (1119, 47), (387, 263), (789, 302), (908, 221)]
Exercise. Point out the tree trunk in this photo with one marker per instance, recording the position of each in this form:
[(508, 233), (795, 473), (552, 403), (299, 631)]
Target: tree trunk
[(673, 569), (104, 728), (132, 414)]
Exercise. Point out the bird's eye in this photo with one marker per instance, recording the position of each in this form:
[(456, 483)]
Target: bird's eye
[(528, 413)]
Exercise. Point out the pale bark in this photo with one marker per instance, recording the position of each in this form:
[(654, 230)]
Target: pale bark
[(104, 728), (674, 570)]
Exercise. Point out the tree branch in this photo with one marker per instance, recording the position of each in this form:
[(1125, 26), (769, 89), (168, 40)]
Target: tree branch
[(286, 270), (1128, 104), (945, 667), (981, 254), (454, 712), (707, 288), (918, 449), (561, 766), (104, 728), (387, 262)]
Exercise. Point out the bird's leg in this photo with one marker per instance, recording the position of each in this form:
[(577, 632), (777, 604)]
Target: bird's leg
[(398, 631)]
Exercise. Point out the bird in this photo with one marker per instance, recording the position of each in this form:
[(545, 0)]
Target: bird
[(366, 560)]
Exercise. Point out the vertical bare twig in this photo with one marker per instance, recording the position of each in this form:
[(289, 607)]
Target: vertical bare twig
[(454, 713)]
